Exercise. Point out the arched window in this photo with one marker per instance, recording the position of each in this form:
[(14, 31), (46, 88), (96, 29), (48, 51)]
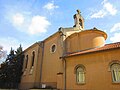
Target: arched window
[(115, 70), (33, 57), (80, 74), (26, 61)]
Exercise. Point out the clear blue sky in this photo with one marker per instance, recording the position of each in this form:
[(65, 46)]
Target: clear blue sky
[(28, 21)]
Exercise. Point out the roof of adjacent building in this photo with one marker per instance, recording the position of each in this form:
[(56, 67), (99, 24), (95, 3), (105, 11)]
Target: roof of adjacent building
[(103, 48)]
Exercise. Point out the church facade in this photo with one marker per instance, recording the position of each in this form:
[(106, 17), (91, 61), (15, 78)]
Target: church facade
[(73, 58)]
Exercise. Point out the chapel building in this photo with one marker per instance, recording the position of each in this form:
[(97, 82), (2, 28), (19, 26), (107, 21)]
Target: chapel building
[(73, 59)]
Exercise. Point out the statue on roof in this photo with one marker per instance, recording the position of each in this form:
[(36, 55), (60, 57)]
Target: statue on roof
[(78, 20), (78, 11)]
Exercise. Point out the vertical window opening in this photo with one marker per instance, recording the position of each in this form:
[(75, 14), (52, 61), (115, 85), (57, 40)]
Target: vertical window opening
[(115, 71), (80, 74), (26, 62), (33, 57)]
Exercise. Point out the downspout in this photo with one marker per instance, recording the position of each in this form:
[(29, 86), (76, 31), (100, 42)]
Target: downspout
[(41, 63), (64, 73)]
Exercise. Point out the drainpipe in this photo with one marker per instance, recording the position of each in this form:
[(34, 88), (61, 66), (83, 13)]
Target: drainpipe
[(64, 60)]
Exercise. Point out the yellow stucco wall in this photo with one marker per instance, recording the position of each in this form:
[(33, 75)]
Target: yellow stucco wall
[(47, 65), (85, 40), (28, 77), (97, 72), (51, 62), (50, 69)]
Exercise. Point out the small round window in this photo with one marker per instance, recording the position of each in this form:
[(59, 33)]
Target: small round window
[(53, 48)]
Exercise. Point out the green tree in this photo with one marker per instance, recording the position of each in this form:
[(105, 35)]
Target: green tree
[(19, 50), (11, 69)]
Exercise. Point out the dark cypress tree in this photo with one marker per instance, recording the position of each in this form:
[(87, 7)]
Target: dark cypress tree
[(11, 69)]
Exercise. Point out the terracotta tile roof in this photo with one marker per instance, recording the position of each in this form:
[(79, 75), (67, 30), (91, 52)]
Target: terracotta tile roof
[(103, 48)]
